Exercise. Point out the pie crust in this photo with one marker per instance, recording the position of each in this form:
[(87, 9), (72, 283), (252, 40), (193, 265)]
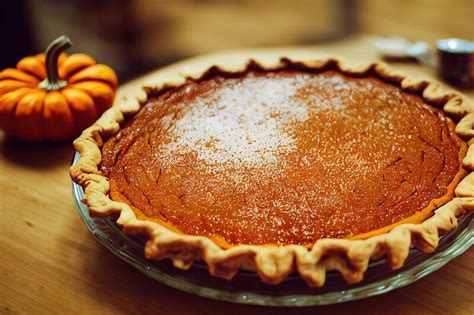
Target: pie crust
[(274, 263)]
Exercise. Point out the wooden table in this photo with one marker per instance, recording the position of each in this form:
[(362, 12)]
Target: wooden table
[(50, 263)]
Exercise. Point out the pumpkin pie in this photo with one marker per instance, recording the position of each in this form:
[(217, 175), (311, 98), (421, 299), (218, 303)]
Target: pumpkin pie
[(283, 165)]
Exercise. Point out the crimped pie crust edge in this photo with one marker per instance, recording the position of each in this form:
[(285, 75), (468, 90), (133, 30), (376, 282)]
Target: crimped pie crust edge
[(274, 263)]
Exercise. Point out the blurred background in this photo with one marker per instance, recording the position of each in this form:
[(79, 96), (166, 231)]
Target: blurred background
[(137, 36)]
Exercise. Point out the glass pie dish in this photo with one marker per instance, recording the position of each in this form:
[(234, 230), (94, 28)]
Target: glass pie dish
[(246, 288)]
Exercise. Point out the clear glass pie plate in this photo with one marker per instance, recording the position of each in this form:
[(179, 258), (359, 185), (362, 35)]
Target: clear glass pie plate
[(246, 287)]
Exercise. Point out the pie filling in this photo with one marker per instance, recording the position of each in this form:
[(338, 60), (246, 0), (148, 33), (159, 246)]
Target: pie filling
[(286, 157)]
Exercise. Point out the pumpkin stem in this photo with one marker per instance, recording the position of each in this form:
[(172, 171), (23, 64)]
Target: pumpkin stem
[(54, 50)]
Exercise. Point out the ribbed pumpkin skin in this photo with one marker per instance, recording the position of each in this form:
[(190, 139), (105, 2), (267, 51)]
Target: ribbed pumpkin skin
[(31, 113)]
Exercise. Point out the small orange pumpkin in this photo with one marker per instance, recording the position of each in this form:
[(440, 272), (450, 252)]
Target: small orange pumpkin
[(53, 96)]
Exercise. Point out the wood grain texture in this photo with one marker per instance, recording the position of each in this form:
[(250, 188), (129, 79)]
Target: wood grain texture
[(51, 264)]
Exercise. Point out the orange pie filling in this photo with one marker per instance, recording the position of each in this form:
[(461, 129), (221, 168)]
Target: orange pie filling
[(285, 157)]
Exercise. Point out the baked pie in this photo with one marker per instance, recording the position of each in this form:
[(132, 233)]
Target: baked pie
[(283, 165)]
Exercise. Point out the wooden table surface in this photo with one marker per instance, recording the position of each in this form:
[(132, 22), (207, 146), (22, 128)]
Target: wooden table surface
[(50, 263)]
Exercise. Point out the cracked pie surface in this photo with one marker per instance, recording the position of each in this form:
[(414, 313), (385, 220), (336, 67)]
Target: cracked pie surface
[(282, 166)]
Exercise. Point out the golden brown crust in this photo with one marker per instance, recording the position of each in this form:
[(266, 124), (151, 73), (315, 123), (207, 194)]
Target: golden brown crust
[(274, 263)]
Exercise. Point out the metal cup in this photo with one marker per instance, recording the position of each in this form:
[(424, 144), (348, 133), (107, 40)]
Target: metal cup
[(456, 61)]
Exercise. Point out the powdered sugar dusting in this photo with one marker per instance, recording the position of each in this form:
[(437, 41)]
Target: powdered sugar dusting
[(282, 157), (241, 125)]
